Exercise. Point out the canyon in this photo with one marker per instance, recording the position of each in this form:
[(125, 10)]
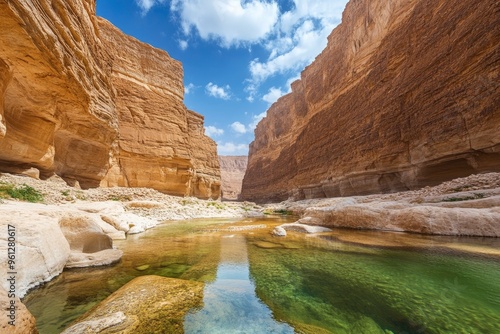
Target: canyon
[(82, 100), (232, 171), (404, 96)]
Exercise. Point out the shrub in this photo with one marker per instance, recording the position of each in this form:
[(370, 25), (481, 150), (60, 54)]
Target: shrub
[(23, 193)]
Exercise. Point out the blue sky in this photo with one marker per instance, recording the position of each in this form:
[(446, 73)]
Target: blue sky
[(239, 56)]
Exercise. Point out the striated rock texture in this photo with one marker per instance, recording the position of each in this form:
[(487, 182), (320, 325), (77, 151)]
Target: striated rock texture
[(232, 170), (161, 144), (405, 95), (147, 304), (80, 99)]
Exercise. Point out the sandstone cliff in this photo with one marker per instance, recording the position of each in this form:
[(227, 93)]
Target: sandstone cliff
[(405, 95), (232, 170), (80, 99)]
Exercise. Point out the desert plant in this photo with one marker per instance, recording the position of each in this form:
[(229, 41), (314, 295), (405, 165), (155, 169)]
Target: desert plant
[(466, 198), (23, 192)]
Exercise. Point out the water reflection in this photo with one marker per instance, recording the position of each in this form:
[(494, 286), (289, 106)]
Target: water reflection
[(344, 281), (230, 302)]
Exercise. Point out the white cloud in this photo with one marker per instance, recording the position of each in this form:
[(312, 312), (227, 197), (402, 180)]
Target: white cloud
[(212, 131), (218, 92), (238, 127), (231, 22), (256, 120), (146, 5), (273, 95), (308, 42), (329, 10), (183, 44), (232, 149), (291, 80), (300, 35), (292, 38), (189, 88)]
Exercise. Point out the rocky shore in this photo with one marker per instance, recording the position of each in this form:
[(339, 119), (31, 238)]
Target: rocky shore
[(69, 227), (467, 206)]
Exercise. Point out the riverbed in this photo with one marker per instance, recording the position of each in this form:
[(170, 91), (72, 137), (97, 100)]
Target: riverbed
[(344, 281)]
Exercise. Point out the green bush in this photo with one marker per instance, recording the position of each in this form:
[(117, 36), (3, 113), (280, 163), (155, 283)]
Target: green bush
[(23, 193)]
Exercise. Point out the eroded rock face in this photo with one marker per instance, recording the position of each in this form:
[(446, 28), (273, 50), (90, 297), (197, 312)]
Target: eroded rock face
[(80, 99), (57, 101), (232, 171), (162, 144), (405, 95)]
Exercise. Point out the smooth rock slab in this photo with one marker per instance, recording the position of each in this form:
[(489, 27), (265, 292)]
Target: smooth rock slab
[(101, 258), (150, 304), (97, 325), (41, 248), (298, 227), (418, 219), (279, 231)]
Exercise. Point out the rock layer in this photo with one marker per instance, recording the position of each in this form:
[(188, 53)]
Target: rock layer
[(232, 171), (80, 99), (404, 96)]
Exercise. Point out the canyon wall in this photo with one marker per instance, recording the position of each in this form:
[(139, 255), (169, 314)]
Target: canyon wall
[(405, 95), (232, 171), (80, 99)]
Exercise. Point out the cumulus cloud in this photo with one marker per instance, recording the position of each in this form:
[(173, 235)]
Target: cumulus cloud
[(146, 5), (232, 22), (218, 92), (291, 38), (183, 44), (256, 120), (273, 95), (212, 131), (308, 41), (239, 128), (189, 88), (232, 149), (300, 35)]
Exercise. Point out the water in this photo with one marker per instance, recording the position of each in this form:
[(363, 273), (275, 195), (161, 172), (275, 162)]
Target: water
[(340, 282), (230, 302)]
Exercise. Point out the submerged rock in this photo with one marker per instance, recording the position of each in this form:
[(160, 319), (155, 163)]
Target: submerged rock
[(147, 304), (98, 325), (101, 258), (279, 231), (142, 268), (304, 228)]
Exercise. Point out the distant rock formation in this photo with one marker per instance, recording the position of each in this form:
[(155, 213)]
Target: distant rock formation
[(232, 170), (80, 99), (405, 95)]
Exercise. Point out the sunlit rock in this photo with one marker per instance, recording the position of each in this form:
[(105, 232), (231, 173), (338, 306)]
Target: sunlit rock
[(404, 96), (24, 322), (147, 304)]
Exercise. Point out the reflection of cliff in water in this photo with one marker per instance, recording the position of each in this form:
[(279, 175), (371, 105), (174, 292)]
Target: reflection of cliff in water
[(230, 303)]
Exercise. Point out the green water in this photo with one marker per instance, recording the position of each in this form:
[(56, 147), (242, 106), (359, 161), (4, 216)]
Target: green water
[(339, 282)]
